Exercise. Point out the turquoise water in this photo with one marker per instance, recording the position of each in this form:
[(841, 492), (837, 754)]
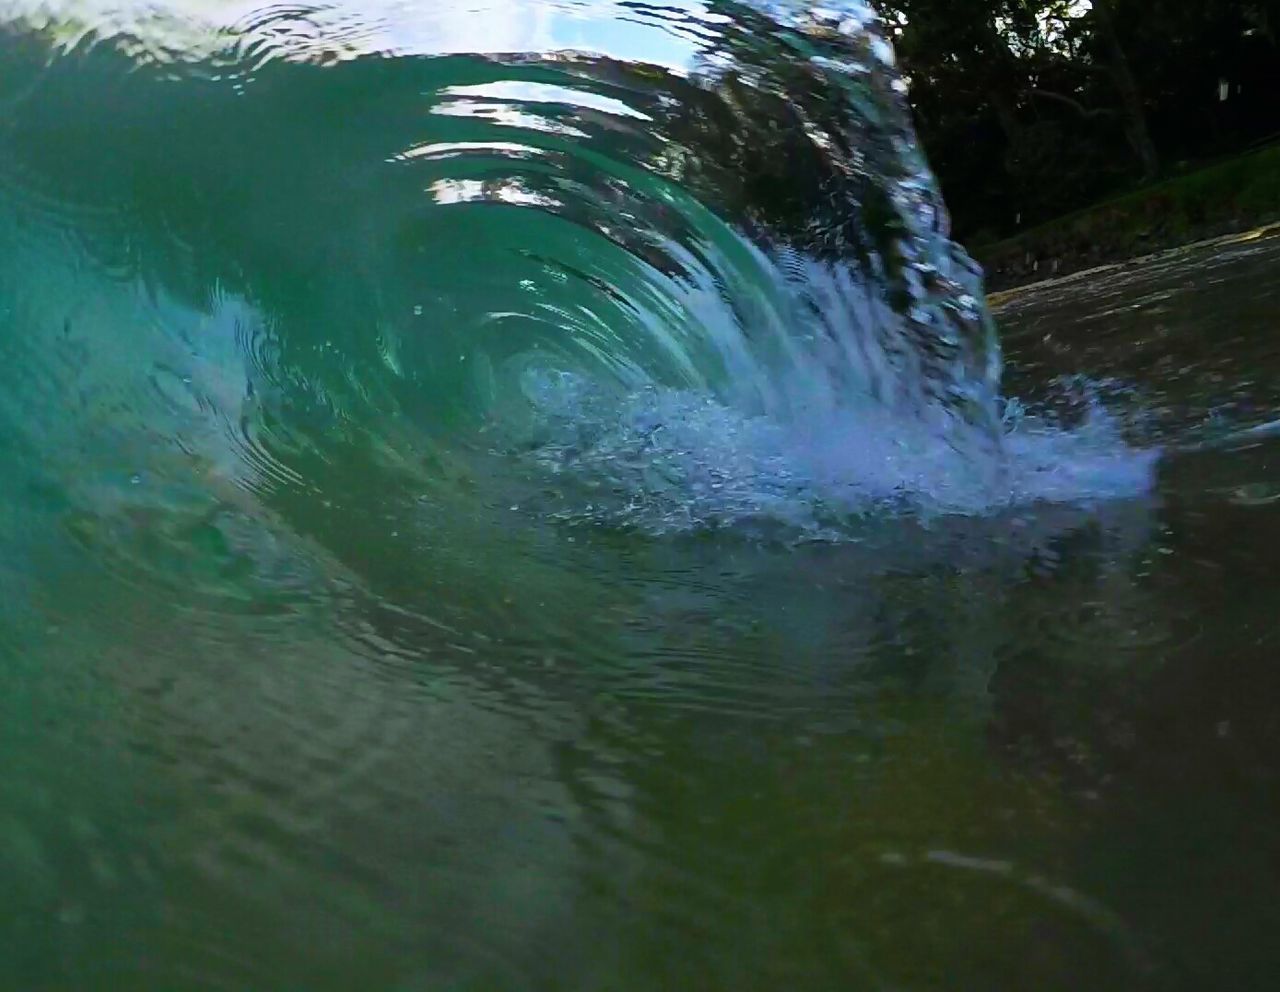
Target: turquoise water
[(529, 495)]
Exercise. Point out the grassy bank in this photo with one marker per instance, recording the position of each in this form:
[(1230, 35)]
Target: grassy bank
[(1229, 196)]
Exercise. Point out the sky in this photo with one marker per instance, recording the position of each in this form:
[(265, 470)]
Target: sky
[(402, 26)]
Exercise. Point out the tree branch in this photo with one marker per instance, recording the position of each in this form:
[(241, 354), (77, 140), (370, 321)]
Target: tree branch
[(1075, 105)]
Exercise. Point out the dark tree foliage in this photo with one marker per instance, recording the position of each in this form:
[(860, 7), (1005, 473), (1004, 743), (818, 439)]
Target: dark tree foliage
[(1031, 108)]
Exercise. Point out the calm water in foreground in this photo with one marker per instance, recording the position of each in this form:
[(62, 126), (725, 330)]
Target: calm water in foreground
[(411, 577)]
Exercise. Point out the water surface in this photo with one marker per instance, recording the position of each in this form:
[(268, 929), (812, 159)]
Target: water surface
[(525, 497)]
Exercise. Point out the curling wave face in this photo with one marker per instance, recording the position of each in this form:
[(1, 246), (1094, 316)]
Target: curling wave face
[(689, 257)]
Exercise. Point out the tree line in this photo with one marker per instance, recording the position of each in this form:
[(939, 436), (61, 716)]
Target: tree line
[(1029, 109)]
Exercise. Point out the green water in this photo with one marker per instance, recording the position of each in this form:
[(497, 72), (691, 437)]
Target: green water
[(518, 496)]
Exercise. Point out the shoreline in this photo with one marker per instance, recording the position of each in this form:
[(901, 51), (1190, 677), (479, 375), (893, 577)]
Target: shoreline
[(998, 297), (1224, 200)]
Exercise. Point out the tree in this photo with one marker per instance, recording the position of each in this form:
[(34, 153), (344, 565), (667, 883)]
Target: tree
[(1030, 108), (1131, 102)]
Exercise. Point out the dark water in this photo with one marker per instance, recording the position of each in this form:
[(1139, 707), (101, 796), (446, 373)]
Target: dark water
[(519, 496)]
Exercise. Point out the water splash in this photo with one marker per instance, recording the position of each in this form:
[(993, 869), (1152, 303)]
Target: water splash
[(717, 286)]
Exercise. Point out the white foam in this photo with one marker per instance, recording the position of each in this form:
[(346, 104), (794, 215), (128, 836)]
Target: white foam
[(668, 460)]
